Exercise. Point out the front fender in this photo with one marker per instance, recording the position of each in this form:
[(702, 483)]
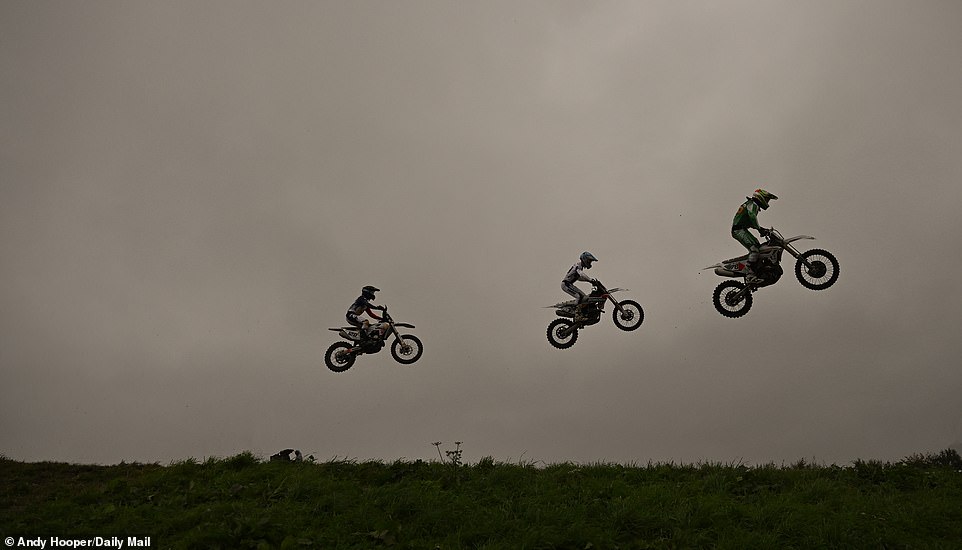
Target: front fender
[(798, 238), (405, 325)]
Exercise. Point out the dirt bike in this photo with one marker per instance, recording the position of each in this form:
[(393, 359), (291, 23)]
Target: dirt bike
[(406, 348), (563, 332), (816, 269)]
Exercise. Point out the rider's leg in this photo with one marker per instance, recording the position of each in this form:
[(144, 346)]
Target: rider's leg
[(578, 294), (749, 241), (574, 292), (745, 238), (355, 322)]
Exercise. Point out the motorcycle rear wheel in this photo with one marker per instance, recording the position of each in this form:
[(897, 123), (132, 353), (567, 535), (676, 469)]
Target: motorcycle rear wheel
[(822, 274), (555, 328), (407, 350), (337, 358), (631, 316), (725, 302)]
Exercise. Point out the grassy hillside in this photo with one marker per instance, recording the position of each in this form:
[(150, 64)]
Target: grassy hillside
[(242, 502)]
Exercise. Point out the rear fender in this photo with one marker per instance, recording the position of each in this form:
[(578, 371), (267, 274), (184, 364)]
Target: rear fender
[(736, 267), (727, 263), (348, 333)]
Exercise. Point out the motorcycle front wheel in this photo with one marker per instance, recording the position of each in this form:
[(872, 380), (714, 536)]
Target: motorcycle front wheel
[(728, 303), (561, 334), (630, 317), (338, 358), (407, 349), (823, 271)]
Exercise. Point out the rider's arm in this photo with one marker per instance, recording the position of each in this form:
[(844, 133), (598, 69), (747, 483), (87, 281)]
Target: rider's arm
[(582, 276), (753, 219), (370, 311)]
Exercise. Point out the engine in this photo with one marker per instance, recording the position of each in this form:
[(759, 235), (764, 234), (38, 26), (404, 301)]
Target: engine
[(373, 345), (770, 274)]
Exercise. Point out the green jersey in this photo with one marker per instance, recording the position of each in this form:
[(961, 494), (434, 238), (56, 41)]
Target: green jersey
[(747, 216)]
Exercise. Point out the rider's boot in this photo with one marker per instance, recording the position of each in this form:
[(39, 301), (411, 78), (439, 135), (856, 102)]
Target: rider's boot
[(751, 277)]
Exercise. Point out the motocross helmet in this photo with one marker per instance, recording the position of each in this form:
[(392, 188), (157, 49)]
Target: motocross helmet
[(761, 197), (587, 258), (368, 291)]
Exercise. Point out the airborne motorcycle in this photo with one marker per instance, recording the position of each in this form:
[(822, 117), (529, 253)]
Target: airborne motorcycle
[(816, 269), (563, 332), (406, 348)]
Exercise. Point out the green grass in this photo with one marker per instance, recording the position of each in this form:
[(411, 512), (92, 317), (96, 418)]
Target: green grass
[(242, 502)]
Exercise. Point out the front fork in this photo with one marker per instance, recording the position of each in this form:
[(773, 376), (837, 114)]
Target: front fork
[(616, 303), (397, 335), (798, 256)]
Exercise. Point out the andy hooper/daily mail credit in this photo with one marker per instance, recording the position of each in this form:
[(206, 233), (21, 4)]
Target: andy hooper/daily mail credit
[(88, 542)]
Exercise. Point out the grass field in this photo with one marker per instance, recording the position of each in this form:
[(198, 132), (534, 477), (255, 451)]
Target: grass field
[(243, 502)]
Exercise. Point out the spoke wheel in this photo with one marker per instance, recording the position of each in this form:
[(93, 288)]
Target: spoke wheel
[(407, 349), (339, 358), (561, 334), (630, 317), (822, 271), (727, 301)]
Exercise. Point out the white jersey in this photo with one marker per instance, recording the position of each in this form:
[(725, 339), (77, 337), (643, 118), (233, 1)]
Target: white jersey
[(577, 273)]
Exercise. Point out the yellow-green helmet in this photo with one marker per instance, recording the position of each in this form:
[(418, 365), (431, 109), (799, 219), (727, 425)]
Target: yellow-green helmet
[(762, 197)]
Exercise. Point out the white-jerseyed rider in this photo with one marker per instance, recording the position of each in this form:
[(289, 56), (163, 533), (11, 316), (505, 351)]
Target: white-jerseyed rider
[(361, 306), (577, 273)]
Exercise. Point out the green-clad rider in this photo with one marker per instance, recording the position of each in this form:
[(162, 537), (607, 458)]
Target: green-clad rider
[(747, 218)]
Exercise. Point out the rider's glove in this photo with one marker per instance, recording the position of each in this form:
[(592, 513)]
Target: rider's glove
[(764, 231)]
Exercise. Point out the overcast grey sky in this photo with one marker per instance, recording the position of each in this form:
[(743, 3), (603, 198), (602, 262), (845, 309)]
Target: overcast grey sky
[(192, 193)]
